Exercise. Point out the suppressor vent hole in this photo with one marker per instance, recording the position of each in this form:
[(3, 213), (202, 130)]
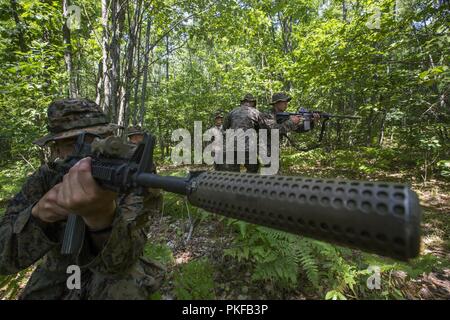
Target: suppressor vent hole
[(336, 228), (366, 206), (365, 234), (399, 210), (324, 226), (367, 193), (350, 232), (399, 196), (337, 203), (382, 208), (381, 237), (351, 204), (382, 195), (399, 241)]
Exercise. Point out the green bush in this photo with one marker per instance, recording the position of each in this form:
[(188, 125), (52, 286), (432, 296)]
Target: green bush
[(194, 281), (159, 252)]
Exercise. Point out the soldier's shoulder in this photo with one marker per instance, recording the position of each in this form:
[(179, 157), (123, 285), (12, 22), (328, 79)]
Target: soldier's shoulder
[(266, 111)]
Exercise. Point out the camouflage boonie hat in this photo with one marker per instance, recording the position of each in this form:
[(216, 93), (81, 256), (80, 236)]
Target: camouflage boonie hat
[(218, 114), (134, 130), (70, 117), (280, 96), (248, 97)]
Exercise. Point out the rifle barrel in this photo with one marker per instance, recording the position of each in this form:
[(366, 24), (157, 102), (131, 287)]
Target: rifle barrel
[(377, 217)]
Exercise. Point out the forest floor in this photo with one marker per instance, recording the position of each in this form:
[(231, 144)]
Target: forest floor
[(233, 279), (185, 237)]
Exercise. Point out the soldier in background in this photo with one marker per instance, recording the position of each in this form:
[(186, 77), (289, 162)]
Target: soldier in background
[(153, 200), (135, 134), (217, 147), (32, 227), (245, 117), (279, 103)]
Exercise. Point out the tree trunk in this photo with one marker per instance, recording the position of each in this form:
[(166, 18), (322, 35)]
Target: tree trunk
[(104, 82), (137, 75), (20, 33), (124, 105), (115, 59), (344, 11), (73, 92), (145, 72)]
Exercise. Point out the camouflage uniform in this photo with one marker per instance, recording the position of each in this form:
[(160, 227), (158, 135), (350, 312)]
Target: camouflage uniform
[(247, 117), (216, 146), (154, 198), (110, 262), (271, 115)]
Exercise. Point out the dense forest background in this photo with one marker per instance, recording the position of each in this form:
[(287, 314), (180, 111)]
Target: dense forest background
[(164, 64)]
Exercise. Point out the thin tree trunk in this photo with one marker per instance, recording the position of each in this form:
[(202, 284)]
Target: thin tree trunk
[(106, 62), (19, 28), (137, 75), (115, 58), (99, 87), (124, 105), (344, 11), (68, 52), (383, 124), (145, 72)]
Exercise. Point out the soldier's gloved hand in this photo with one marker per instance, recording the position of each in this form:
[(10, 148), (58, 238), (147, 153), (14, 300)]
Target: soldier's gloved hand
[(296, 119), (81, 195), (47, 208)]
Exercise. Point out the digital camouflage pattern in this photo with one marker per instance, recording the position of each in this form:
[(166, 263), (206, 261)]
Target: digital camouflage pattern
[(117, 271), (134, 130), (69, 117), (246, 117), (280, 96), (248, 98)]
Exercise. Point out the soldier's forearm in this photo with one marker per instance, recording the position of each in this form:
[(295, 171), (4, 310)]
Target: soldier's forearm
[(23, 241)]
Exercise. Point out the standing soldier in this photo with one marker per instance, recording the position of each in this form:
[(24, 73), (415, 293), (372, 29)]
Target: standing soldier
[(110, 259), (153, 201), (135, 135), (280, 103), (246, 117)]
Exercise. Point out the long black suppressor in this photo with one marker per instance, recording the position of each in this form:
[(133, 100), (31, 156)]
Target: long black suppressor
[(377, 217)]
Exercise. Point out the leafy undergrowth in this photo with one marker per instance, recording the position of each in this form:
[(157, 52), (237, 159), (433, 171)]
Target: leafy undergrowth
[(212, 257), (11, 179)]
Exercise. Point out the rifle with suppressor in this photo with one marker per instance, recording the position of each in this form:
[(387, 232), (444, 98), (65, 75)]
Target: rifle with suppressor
[(308, 122), (378, 217)]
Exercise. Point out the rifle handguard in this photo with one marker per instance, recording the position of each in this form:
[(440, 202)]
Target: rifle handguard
[(378, 217)]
